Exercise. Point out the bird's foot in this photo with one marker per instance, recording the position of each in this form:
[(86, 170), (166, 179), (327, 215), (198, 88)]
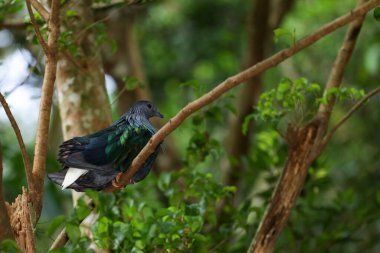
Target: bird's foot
[(116, 181)]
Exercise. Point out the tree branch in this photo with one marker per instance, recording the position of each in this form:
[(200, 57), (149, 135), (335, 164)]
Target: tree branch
[(25, 158), (5, 225), (230, 83), (336, 76), (45, 107), (112, 4), (40, 9), (60, 241), (304, 148), (337, 72), (353, 109), (40, 38)]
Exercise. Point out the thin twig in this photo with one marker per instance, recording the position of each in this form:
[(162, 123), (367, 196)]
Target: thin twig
[(40, 9), (349, 114), (20, 140), (232, 82), (40, 38), (112, 4), (60, 241), (45, 108)]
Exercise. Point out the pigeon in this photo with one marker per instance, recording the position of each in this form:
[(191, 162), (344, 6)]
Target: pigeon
[(94, 161)]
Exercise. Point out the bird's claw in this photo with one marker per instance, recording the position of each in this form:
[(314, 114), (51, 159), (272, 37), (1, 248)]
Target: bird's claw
[(116, 184)]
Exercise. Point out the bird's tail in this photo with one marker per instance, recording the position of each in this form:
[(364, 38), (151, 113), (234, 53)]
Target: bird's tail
[(58, 177)]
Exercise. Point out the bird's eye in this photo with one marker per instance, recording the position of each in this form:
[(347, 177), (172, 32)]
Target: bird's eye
[(149, 106)]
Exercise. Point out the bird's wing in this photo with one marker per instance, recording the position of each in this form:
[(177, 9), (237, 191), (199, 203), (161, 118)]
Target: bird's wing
[(71, 152), (125, 146), (112, 148)]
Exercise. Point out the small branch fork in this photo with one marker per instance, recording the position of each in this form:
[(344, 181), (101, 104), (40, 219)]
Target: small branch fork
[(353, 109), (40, 38), (45, 107), (233, 81)]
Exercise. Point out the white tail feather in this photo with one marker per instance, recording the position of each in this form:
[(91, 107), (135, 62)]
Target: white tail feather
[(71, 176)]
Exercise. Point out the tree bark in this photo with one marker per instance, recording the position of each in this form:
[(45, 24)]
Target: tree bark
[(287, 190), (22, 222), (83, 101)]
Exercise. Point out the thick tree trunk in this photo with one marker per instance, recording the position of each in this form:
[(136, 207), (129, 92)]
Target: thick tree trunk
[(301, 142), (83, 102)]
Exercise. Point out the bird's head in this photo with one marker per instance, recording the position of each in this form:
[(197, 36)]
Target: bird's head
[(146, 108)]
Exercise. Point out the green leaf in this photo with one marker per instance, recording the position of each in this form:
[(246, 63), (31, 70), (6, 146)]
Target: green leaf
[(9, 246), (94, 195), (101, 232), (71, 13), (246, 122), (55, 223), (284, 34), (73, 232), (82, 209), (376, 14), (193, 209), (132, 83)]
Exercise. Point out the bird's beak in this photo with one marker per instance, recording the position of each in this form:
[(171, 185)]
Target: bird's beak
[(158, 114)]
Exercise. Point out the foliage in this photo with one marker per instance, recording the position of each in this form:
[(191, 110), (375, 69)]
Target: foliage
[(9, 7), (297, 102), (376, 13), (187, 48), (9, 246)]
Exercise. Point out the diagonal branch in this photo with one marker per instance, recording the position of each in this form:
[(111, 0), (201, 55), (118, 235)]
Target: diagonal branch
[(232, 82), (353, 109), (40, 9), (336, 77), (45, 108), (17, 131), (40, 38), (304, 148), (337, 72)]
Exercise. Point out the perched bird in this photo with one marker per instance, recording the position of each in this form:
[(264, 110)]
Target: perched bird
[(93, 161)]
